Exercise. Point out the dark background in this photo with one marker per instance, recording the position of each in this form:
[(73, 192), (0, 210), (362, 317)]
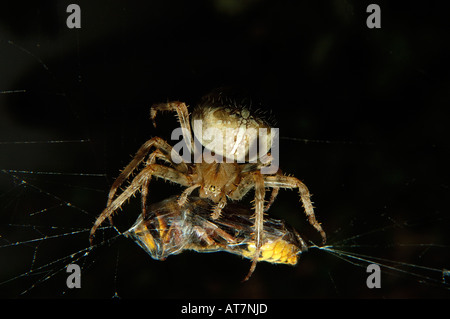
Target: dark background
[(372, 102)]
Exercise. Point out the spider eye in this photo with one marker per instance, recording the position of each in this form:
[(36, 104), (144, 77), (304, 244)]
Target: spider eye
[(212, 188)]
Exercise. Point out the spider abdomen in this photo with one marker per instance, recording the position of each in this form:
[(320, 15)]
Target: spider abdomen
[(229, 131)]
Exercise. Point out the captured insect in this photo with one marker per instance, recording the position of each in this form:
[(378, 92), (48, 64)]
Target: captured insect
[(168, 229), (227, 169)]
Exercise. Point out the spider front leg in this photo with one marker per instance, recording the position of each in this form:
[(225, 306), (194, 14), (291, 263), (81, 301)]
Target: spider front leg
[(253, 167), (259, 220), (183, 117), (275, 191), (292, 182), (138, 182), (254, 179), (274, 195), (165, 151), (151, 160)]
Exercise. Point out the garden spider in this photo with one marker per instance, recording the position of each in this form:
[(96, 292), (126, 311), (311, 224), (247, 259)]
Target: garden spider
[(216, 180)]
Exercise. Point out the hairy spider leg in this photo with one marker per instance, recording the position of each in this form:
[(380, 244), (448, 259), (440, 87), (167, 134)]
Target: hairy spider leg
[(282, 181), (151, 160), (138, 182), (182, 115), (159, 144), (249, 167), (253, 180), (273, 196), (144, 189), (183, 199), (260, 191)]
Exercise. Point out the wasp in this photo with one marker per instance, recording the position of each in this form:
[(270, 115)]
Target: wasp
[(168, 229)]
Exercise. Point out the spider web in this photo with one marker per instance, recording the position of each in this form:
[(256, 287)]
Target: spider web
[(68, 127)]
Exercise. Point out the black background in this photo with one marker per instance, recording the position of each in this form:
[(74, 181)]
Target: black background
[(375, 101)]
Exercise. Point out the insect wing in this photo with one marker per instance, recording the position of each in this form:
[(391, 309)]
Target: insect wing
[(168, 229)]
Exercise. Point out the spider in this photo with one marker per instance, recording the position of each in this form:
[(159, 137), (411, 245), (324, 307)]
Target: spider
[(216, 180)]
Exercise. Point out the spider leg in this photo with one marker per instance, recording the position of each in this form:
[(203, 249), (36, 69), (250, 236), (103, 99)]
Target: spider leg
[(144, 190), (259, 220), (245, 185), (275, 190), (164, 155), (161, 145), (161, 153), (138, 182), (184, 196), (253, 180), (144, 193), (292, 182), (273, 196), (183, 117)]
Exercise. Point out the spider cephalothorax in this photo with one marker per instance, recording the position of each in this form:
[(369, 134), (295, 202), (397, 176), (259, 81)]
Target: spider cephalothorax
[(228, 168)]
